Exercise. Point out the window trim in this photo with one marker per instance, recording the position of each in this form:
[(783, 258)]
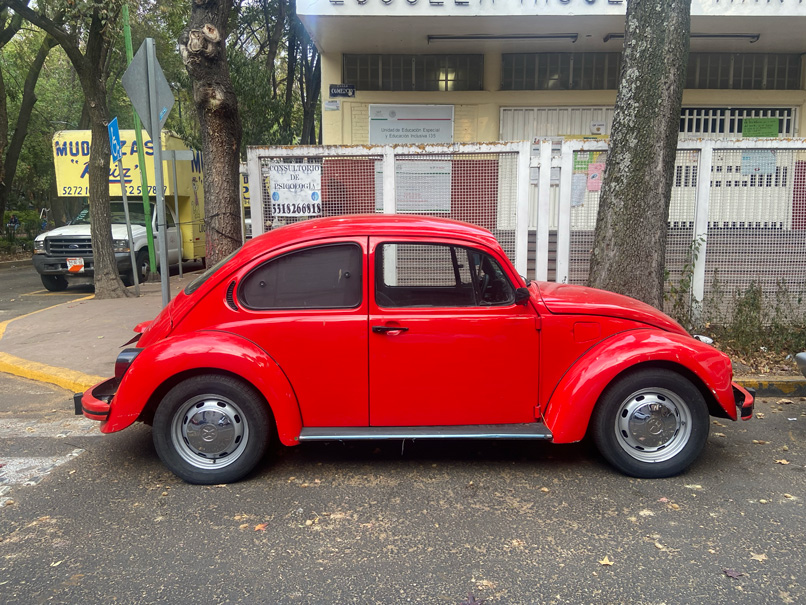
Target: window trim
[(305, 248), (468, 248)]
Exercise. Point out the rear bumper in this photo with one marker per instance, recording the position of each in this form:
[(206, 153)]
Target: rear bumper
[(96, 402), (745, 400)]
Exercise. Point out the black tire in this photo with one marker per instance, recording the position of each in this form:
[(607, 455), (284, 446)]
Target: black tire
[(54, 283), (230, 428), (141, 263), (651, 423)]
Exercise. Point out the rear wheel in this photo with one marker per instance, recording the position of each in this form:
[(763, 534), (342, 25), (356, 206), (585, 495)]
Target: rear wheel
[(651, 423), (211, 429), (141, 264), (54, 283)]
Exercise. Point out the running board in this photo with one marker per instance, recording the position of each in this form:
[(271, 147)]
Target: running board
[(531, 430)]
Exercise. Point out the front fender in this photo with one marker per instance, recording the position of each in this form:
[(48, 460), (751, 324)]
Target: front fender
[(571, 404), (213, 350)]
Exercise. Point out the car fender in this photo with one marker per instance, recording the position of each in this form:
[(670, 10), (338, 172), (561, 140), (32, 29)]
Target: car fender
[(220, 351), (570, 406)]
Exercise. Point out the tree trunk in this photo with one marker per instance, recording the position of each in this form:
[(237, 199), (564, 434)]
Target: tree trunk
[(630, 240), (107, 280), (203, 49)]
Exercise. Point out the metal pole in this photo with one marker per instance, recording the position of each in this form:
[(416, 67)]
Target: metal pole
[(141, 156), (135, 270), (176, 214), (156, 137)]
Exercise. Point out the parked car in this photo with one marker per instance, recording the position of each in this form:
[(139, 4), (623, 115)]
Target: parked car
[(406, 327), (64, 255)]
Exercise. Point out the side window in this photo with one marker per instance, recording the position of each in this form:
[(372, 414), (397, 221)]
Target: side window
[(324, 277), (438, 275)]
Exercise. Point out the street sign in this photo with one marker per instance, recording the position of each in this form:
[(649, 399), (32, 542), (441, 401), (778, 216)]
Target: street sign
[(152, 99), (342, 90), (136, 82), (114, 140)]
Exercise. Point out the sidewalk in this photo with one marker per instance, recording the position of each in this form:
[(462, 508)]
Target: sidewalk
[(74, 345)]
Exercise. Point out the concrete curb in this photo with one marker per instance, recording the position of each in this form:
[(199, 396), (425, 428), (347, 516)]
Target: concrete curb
[(67, 379), (779, 386)]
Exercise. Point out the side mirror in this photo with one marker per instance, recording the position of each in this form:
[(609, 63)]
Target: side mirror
[(521, 296)]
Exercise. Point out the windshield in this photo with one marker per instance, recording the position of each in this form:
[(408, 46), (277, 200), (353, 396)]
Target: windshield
[(118, 214)]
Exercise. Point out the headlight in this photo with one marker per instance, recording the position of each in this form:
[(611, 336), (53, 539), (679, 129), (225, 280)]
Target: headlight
[(120, 245), (39, 246)]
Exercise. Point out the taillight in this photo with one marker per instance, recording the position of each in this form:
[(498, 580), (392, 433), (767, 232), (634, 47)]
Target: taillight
[(124, 360)]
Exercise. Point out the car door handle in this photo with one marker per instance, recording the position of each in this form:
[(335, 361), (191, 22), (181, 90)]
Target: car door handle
[(388, 329)]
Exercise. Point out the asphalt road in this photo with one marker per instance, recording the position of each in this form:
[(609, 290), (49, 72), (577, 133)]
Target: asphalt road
[(21, 292), (101, 520)]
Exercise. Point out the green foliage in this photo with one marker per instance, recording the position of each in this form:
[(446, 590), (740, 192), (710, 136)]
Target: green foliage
[(756, 322), (679, 293), (262, 116)]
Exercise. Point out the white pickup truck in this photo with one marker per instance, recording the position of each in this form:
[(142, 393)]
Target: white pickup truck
[(64, 255)]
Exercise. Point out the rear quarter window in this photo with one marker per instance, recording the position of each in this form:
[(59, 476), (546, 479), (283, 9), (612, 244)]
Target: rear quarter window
[(322, 277)]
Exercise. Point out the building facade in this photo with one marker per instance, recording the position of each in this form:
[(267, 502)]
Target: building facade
[(438, 71)]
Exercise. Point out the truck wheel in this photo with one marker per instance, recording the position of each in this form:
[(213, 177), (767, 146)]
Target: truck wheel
[(651, 423), (54, 283), (141, 263), (212, 429)]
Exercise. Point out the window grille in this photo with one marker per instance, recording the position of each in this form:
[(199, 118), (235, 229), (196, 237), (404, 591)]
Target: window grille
[(726, 122), (745, 71), (414, 72), (560, 71), (601, 71)]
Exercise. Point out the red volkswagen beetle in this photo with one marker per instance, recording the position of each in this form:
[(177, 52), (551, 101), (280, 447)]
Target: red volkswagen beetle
[(407, 327)]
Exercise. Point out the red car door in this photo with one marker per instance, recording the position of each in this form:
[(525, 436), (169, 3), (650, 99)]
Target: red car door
[(447, 344), (308, 310)]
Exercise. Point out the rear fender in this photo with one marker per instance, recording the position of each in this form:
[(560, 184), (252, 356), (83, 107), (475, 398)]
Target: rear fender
[(161, 362), (571, 404)]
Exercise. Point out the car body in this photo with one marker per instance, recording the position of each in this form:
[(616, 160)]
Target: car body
[(407, 327)]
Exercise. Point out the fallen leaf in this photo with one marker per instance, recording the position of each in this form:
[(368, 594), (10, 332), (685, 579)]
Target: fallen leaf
[(755, 557), (782, 461), (646, 513), (606, 561), (57, 563), (732, 573), (785, 401), (243, 526), (261, 526), (760, 415), (694, 486), (719, 434), (788, 496), (717, 423), (759, 442)]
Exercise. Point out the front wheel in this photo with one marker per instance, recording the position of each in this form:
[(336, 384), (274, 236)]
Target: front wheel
[(652, 423), (211, 429), (54, 283)]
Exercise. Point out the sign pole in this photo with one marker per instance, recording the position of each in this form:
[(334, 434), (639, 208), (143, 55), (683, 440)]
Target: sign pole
[(156, 138), (117, 155), (141, 156)]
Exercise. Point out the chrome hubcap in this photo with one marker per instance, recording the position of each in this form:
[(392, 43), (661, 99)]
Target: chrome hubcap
[(653, 425), (209, 431)]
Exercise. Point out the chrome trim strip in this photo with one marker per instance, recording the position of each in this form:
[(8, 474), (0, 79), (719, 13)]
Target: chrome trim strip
[(488, 431)]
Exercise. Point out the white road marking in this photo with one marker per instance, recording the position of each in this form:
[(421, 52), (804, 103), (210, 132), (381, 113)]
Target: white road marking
[(30, 470)]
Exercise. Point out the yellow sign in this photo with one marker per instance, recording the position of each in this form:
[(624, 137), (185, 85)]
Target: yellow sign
[(71, 155)]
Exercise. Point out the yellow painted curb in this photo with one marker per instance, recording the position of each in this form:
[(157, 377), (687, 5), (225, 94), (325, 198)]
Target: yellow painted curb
[(67, 379)]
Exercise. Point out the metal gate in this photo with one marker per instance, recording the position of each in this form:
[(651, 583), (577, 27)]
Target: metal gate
[(483, 184)]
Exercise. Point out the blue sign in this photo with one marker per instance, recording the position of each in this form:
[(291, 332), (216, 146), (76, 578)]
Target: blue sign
[(114, 140)]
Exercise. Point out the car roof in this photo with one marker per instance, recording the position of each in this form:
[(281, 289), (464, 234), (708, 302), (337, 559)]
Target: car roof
[(383, 225)]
